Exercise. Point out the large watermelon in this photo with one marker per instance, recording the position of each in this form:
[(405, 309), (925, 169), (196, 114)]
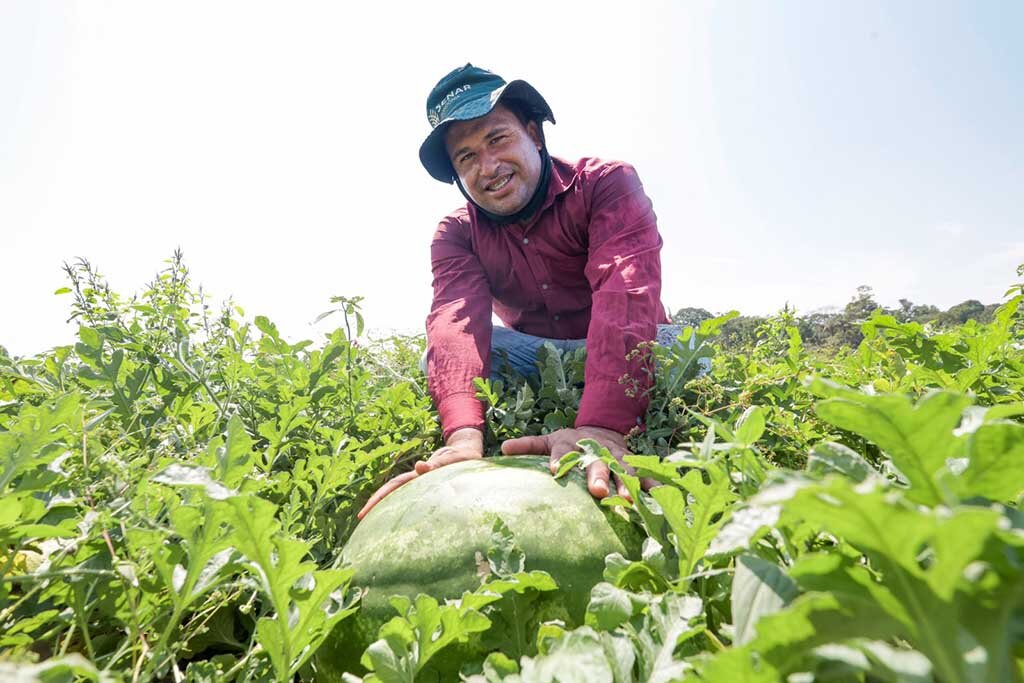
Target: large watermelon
[(425, 538)]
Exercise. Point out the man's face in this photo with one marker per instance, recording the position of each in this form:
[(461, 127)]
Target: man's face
[(497, 159)]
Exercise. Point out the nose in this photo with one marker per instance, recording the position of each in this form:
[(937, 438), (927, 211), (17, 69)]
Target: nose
[(488, 164)]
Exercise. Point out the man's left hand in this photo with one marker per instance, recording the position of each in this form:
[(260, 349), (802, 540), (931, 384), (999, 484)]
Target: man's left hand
[(558, 443)]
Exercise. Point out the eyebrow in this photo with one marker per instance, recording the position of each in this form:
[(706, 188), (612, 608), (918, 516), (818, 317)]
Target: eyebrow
[(497, 130)]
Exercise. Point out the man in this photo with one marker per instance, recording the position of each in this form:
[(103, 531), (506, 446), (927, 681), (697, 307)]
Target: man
[(558, 250)]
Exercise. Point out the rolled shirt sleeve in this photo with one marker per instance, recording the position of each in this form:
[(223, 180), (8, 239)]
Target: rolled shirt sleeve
[(624, 272), (458, 328)]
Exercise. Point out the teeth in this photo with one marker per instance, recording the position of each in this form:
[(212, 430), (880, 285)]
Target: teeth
[(501, 183)]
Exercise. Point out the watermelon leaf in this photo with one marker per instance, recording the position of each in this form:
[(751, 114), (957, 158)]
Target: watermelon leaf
[(925, 597), (829, 457), (671, 620), (306, 602), (995, 452), (503, 555), (695, 519), (580, 656), (919, 438), (609, 607), (750, 426), (759, 588)]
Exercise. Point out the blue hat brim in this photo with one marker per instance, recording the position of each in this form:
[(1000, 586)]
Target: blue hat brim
[(433, 154)]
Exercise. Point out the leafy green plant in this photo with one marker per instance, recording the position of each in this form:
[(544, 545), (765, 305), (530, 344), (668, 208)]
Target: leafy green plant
[(175, 488), (423, 627), (267, 447)]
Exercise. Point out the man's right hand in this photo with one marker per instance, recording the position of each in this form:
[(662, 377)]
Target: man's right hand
[(462, 444)]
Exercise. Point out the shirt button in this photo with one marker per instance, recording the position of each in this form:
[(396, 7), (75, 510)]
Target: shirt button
[(526, 240), (544, 286), (558, 317)]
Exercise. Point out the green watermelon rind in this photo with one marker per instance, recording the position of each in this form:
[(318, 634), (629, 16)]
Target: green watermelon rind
[(430, 535)]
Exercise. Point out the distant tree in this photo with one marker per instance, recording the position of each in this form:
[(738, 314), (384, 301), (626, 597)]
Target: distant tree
[(972, 309), (691, 317), (741, 332), (820, 329), (861, 305), (924, 313), (830, 331), (844, 329), (905, 312), (908, 311)]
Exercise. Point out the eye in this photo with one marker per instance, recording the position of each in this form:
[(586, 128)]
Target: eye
[(496, 138), (465, 157)]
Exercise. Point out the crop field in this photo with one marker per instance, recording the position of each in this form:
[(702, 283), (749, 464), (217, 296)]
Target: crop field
[(177, 488)]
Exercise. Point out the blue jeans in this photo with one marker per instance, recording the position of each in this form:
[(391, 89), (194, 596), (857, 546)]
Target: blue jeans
[(523, 350)]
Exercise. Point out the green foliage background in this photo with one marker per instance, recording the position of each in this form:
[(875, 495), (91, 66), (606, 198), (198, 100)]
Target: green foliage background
[(175, 488)]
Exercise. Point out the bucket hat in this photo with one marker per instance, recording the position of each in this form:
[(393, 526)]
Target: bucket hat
[(470, 92)]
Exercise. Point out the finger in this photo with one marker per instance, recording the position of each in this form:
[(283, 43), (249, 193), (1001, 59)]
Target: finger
[(597, 479), (384, 490), (620, 457), (445, 456), (558, 451), (526, 445), (623, 491), (647, 483), (439, 457), (424, 466)]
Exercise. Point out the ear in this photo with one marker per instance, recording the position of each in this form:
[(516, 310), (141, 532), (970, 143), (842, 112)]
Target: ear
[(533, 130)]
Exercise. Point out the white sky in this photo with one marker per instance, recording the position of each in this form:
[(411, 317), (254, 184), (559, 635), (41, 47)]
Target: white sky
[(793, 151)]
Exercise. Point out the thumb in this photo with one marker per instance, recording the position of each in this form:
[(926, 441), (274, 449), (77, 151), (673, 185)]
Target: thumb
[(444, 456), (526, 445)]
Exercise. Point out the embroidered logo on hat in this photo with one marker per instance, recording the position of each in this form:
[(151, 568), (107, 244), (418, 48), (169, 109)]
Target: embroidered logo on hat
[(439, 111), (466, 93)]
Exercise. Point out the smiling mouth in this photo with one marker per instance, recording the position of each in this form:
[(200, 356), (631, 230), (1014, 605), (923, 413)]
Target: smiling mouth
[(500, 183)]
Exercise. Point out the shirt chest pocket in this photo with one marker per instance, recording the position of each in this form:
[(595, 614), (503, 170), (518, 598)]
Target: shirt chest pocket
[(568, 270), (507, 272)]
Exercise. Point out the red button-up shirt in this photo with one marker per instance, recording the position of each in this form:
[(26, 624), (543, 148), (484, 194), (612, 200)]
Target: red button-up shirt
[(586, 264)]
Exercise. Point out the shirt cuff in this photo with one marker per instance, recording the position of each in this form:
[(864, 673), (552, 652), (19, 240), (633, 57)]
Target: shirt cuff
[(605, 404), (460, 410)]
